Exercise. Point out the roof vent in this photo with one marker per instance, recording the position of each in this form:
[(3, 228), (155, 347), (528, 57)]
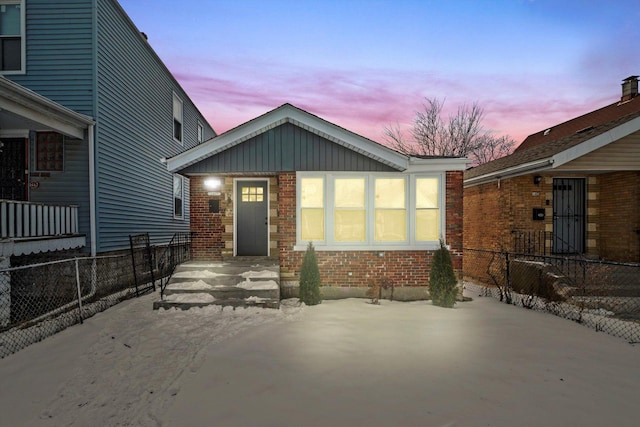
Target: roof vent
[(629, 88), (583, 130)]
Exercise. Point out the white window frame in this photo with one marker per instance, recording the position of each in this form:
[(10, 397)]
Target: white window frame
[(200, 135), (173, 197), (179, 117), (411, 243), (23, 38)]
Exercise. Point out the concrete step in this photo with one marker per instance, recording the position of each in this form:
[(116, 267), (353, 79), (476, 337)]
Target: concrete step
[(228, 302), (236, 283)]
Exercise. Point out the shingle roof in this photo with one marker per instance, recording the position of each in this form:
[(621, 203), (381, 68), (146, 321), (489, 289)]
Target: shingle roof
[(595, 118), (545, 150)]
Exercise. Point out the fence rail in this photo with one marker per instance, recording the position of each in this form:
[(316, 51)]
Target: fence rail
[(600, 294), (27, 219), (39, 300)]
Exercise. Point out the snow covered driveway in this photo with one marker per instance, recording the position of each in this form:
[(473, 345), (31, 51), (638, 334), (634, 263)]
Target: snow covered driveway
[(342, 363)]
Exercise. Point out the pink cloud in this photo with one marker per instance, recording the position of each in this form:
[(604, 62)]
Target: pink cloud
[(367, 100)]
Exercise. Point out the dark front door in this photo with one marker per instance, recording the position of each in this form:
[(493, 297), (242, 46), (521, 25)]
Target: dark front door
[(252, 227), (13, 182), (568, 215)]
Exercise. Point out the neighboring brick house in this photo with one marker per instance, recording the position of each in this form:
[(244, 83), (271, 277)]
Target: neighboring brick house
[(573, 188), (288, 177)]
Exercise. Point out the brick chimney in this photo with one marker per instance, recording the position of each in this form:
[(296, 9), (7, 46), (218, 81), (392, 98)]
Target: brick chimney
[(629, 88)]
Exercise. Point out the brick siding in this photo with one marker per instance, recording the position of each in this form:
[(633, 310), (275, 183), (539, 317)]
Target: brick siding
[(213, 239), (493, 210), (620, 216)]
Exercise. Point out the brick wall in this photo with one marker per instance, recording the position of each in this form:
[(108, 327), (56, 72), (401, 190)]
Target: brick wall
[(208, 227), (485, 216), (620, 216), (491, 211), (357, 268), (213, 239)]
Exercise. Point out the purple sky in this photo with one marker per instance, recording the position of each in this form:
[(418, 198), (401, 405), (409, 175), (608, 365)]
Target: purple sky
[(367, 64)]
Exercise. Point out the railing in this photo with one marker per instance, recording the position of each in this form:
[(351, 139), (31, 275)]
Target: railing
[(532, 242), (178, 251), (26, 219)]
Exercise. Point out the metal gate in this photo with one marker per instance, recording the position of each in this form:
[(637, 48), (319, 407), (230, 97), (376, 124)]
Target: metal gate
[(12, 169), (568, 215)]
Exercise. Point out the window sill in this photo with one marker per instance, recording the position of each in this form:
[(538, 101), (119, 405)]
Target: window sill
[(426, 246)]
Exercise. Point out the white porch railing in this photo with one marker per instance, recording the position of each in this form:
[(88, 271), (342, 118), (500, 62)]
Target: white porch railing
[(26, 219)]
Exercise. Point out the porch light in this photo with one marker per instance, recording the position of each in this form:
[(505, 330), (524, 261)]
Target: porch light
[(212, 183)]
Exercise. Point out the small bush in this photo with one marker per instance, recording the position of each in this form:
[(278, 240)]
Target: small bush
[(310, 278), (443, 284)]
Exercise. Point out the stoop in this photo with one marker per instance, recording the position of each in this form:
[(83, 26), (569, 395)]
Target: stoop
[(237, 282)]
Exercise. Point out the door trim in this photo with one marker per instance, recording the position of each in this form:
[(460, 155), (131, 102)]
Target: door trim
[(235, 213)]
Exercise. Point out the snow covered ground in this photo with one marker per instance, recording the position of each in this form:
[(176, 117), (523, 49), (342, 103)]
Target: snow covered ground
[(342, 363)]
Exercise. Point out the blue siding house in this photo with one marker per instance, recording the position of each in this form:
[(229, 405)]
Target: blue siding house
[(88, 113)]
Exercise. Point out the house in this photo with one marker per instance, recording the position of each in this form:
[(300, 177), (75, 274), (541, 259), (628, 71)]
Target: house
[(88, 112), (573, 188), (273, 184)]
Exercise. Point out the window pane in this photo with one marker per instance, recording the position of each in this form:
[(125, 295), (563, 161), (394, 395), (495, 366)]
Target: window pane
[(390, 193), (10, 20), (349, 193), (11, 51), (177, 108), (350, 225), (427, 193), (427, 224), (312, 224), (390, 225), (49, 151), (312, 193), (177, 187)]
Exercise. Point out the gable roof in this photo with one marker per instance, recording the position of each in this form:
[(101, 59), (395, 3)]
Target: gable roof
[(555, 153), (288, 113)]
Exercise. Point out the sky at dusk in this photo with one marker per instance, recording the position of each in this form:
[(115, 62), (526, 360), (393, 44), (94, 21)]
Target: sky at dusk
[(367, 64)]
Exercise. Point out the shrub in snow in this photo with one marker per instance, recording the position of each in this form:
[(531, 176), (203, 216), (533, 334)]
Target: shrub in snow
[(310, 278), (443, 284), (375, 289)]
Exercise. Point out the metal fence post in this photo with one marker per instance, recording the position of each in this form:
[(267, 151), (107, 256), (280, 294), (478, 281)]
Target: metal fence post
[(79, 292)]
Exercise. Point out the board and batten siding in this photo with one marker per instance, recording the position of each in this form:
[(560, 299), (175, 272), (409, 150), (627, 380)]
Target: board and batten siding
[(59, 52), (286, 147), (134, 131)]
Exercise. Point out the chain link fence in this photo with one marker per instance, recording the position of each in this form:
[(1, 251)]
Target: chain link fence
[(39, 300), (599, 294)]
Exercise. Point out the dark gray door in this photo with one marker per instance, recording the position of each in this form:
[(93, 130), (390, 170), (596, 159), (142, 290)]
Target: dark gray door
[(13, 181), (568, 215), (252, 218)]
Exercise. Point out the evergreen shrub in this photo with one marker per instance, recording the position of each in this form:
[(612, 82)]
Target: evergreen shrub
[(310, 278), (443, 284)]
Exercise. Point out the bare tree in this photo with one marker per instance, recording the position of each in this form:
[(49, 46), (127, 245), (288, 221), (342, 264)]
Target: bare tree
[(461, 135)]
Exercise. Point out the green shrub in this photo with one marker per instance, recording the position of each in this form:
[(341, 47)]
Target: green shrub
[(443, 284), (310, 278)]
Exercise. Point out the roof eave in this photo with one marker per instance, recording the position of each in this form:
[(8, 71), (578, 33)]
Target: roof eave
[(26, 103), (417, 164), (598, 141), (289, 114), (523, 169)]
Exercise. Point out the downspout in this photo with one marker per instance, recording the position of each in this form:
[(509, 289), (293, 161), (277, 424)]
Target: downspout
[(92, 189)]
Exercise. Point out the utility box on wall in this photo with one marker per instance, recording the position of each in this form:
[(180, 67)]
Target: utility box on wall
[(214, 205), (538, 214)]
